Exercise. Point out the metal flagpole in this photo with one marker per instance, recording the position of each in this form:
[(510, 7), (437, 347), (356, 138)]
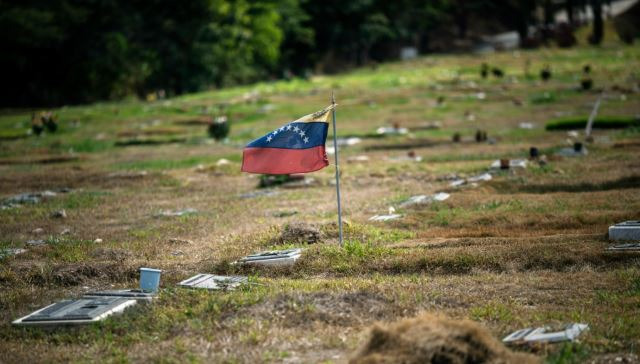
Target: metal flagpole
[(592, 117), (335, 146)]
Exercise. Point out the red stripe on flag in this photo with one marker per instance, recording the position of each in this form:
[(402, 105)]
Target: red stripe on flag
[(283, 161)]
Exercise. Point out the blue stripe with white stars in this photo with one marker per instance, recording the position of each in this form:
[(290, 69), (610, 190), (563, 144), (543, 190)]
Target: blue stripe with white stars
[(296, 135)]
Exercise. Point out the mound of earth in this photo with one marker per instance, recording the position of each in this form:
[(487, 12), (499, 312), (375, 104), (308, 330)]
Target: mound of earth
[(431, 339)]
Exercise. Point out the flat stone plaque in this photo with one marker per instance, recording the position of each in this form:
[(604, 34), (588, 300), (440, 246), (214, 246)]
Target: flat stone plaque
[(274, 257), (76, 312), (214, 282), (628, 230)]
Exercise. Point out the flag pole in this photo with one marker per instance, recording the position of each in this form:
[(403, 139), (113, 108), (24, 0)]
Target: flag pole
[(335, 147)]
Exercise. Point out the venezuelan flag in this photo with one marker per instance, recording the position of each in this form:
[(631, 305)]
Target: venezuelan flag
[(297, 147)]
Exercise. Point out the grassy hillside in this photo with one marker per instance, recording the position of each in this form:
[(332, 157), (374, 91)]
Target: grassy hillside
[(524, 249)]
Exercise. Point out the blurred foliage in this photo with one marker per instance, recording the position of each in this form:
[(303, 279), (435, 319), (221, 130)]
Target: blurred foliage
[(59, 52)]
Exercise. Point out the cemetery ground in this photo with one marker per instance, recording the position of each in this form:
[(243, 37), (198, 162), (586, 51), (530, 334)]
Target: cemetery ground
[(524, 249)]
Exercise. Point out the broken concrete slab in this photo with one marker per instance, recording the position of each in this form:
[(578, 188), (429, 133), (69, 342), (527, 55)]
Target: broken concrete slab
[(471, 181), (273, 257), (36, 242), (512, 163), (424, 199), (631, 247), (7, 252), (134, 294), (214, 282), (385, 217), (391, 130), (76, 312), (29, 198), (628, 230), (481, 177), (173, 213), (542, 334)]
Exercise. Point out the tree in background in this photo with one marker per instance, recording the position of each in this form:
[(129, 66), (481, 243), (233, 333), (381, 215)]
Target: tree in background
[(70, 51)]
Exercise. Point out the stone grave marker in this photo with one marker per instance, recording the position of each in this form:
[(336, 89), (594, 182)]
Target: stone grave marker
[(274, 257), (214, 282), (628, 230), (76, 312)]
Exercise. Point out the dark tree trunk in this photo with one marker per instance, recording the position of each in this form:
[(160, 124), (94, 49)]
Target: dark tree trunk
[(548, 13), (598, 27), (461, 17), (569, 6)]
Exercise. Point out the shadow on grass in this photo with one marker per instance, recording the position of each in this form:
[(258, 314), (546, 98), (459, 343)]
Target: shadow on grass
[(621, 183)]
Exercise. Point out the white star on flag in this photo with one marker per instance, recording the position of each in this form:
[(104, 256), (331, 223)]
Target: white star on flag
[(296, 129), (306, 139), (269, 138), (289, 127), (302, 133)]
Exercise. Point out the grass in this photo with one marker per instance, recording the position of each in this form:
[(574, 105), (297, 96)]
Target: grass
[(522, 250)]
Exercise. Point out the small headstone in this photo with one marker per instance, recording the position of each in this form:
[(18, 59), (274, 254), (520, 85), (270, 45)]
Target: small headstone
[(504, 164), (76, 312), (214, 282), (97, 241), (628, 230), (37, 231)]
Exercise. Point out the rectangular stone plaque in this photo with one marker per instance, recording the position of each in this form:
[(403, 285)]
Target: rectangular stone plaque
[(75, 312), (214, 282)]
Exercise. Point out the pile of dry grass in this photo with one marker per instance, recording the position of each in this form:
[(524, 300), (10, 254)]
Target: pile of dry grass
[(299, 233), (431, 339)]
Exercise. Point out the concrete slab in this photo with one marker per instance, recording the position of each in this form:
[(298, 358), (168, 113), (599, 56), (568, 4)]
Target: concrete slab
[(631, 247), (273, 257), (542, 334), (628, 230), (76, 312), (214, 282)]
